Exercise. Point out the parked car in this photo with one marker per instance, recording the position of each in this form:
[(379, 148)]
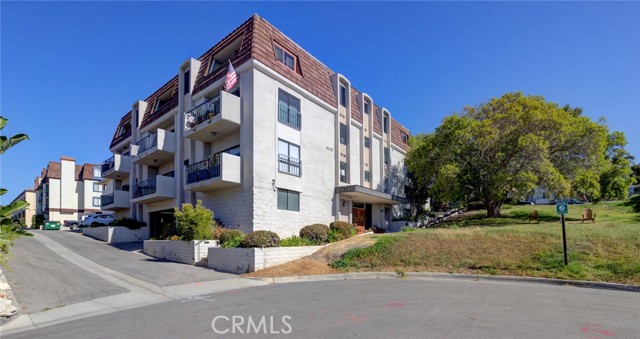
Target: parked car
[(574, 202), (72, 224), (97, 219)]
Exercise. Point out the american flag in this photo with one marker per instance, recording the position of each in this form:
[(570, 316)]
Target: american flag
[(232, 78)]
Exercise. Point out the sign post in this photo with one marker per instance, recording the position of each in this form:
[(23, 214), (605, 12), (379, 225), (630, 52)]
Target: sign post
[(562, 209)]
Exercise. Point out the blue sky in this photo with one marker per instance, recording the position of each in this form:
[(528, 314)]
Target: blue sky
[(71, 70)]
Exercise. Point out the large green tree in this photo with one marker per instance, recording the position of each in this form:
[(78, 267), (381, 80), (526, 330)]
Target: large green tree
[(8, 231), (506, 147), (617, 175)]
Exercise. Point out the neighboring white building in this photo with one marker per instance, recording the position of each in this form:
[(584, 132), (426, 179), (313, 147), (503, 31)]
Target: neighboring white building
[(66, 191), (293, 143)]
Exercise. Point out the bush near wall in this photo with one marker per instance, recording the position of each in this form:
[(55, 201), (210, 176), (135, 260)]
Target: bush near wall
[(261, 239), (341, 230), (316, 233), (231, 238), (194, 222)]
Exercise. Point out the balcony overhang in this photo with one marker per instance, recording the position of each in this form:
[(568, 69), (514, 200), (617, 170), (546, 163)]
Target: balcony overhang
[(121, 168), (120, 201), (215, 125), (230, 176), (165, 190), (367, 195), (158, 154)]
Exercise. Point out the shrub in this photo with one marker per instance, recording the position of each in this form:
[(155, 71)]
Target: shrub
[(129, 223), (297, 241), (316, 233), (261, 239), (231, 238), (217, 232), (379, 229), (342, 229), (194, 223)]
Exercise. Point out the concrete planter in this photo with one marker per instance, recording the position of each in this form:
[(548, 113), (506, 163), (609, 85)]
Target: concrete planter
[(188, 252), (245, 260), (116, 234)]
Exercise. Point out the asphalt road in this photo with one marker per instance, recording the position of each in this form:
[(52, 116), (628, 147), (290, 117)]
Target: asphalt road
[(376, 308)]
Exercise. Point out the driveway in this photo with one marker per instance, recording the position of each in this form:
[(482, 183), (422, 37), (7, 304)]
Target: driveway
[(54, 269), (376, 308)]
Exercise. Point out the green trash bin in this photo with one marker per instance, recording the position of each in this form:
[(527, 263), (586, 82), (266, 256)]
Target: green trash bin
[(51, 225)]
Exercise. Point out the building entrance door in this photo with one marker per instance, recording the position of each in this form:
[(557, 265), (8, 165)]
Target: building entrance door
[(157, 220), (359, 217)]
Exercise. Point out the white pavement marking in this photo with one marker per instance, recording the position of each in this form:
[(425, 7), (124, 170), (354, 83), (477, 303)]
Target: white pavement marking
[(141, 293)]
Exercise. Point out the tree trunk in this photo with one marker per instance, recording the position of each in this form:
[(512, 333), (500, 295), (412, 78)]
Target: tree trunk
[(493, 209)]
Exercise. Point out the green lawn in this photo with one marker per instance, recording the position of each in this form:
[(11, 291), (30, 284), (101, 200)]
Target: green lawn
[(607, 250)]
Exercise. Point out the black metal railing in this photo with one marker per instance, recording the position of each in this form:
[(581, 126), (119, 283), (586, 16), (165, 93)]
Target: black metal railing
[(289, 115), (203, 170), (204, 111), (107, 199), (289, 165), (107, 165), (147, 142), (144, 188)]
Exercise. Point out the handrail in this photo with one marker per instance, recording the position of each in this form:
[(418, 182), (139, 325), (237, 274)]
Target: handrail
[(202, 112)]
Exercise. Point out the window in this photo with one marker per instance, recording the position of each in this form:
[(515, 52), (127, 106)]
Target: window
[(405, 138), (285, 57), (289, 158), (367, 142), (386, 155), (367, 108), (97, 187), (213, 65), (344, 138), (162, 100), (367, 176), (288, 200), (97, 172), (385, 125), (343, 96), (344, 171), (96, 202), (187, 80), (289, 109)]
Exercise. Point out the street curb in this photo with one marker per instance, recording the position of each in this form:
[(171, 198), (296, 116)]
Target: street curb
[(12, 297), (434, 275)]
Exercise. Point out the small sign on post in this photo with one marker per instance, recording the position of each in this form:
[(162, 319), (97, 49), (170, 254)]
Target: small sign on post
[(562, 208)]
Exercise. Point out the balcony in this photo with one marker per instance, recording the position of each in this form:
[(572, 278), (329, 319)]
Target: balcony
[(117, 200), (116, 167), (155, 149), (214, 118), (154, 189), (220, 171)]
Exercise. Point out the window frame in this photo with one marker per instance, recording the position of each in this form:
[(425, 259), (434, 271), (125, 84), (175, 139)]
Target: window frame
[(343, 95), (404, 137), (282, 53), (367, 108), (367, 142), (99, 187), (344, 177), (98, 171), (386, 155), (385, 124), (287, 193), (99, 199), (367, 176), (186, 76), (289, 164), (291, 101), (344, 134)]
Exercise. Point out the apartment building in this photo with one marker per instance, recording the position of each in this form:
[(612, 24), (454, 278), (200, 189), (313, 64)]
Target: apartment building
[(66, 191), (26, 214), (292, 144)]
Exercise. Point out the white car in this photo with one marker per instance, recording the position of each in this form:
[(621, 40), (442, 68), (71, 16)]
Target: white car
[(97, 219)]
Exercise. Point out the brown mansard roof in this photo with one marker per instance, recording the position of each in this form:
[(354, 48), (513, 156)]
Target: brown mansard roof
[(258, 40), (125, 123)]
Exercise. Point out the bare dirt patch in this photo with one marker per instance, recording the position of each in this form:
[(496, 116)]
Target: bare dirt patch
[(317, 263)]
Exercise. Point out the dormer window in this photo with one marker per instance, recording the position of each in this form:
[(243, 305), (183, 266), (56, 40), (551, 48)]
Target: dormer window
[(162, 100), (213, 65), (285, 57), (405, 138)]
